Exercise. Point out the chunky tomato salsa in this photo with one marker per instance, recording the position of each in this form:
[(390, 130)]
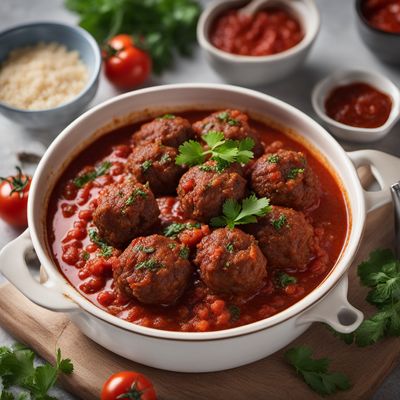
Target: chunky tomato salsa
[(383, 14), (267, 32), (198, 221)]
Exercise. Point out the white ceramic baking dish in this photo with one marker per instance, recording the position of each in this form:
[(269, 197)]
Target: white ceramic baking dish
[(208, 351)]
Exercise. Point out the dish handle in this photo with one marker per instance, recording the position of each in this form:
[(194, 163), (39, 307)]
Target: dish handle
[(14, 267), (385, 169), (334, 310)]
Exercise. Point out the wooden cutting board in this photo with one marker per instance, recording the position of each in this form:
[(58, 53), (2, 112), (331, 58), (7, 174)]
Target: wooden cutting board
[(270, 378)]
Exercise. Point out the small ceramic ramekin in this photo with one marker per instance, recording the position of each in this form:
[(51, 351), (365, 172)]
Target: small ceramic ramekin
[(72, 37), (257, 70), (351, 133), (384, 45)]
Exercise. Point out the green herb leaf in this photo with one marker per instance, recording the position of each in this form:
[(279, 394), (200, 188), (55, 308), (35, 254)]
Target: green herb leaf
[(284, 280), (105, 249), (135, 194), (235, 312), (239, 214), (99, 170), (167, 116), (230, 247), (150, 265), (184, 252), (279, 223), (144, 249), (294, 172), (223, 151), (165, 158), (225, 117), (146, 165), (315, 371), (273, 158), (174, 229)]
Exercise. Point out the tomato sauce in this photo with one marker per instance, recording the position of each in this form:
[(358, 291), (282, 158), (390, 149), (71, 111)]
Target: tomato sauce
[(358, 104), (267, 32), (69, 220), (383, 14)]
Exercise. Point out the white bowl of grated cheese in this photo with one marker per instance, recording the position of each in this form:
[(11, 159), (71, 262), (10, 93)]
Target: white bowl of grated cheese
[(49, 73)]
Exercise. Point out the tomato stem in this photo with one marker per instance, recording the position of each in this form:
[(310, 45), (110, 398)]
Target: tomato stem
[(18, 183), (134, 393)]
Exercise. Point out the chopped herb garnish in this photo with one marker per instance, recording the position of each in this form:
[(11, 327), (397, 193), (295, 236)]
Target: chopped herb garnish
[(167, 116), (207, 168), (279, 223), (171, 245), (150, 265), (146, 165), (294, 172), (135, 194), (85, 255), (315, 371), (99, 170), (283, 280), (105, 250), (225, 117), (235, 312), (144, 249), (229, 247), (184, 252), (273, 159), (239, 214), (165, 158), (176, 228), (223, 151)]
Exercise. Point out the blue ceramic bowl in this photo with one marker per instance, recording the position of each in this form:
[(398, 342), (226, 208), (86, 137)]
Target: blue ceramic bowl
[(74, 38), (384, 45)]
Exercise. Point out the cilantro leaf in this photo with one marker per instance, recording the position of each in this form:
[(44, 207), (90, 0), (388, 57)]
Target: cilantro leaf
[(105, 249), (282, 280), (190, 153), (223, 151), (239, 214), (315, 371)]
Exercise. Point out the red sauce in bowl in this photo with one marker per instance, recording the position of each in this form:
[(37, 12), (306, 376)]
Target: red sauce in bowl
[(358, 104), (383, 14), (70, 219), (267, 32)]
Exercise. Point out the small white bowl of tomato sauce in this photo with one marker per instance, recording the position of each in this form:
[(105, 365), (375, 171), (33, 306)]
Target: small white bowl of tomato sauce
[(258, 49), (357, 106)]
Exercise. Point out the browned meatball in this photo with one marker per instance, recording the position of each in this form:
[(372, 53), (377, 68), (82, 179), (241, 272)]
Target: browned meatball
[(124, 211), (285, 237), (231, 262), (154, 269), (202, 190), (233, 124), (286, 179), (170, 130), (155, 163)]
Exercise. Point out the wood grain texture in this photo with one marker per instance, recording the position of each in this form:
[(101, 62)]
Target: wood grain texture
[(270, 378)]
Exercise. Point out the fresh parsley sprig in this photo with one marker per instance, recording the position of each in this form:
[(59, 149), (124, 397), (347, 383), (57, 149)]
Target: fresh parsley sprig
[(239, 214), (17, 369), (381, 273), (223, 151), (315, 371)]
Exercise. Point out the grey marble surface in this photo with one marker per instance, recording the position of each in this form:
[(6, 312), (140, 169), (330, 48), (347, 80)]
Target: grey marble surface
[(338, 47)]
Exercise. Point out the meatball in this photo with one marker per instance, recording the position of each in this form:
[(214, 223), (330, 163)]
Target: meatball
[(154, 270), (124, 211), (155, 163), (203, 190), (169, 129), (233, 124), (286, 179), (285, 237), (231, 262)]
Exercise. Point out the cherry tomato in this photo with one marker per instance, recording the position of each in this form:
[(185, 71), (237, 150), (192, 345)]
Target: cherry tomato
[(125, 65), (128, 385), (14, 199)]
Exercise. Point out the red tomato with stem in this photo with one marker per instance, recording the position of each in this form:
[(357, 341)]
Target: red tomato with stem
[(14, 192), (125, 65), (128, 385)]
